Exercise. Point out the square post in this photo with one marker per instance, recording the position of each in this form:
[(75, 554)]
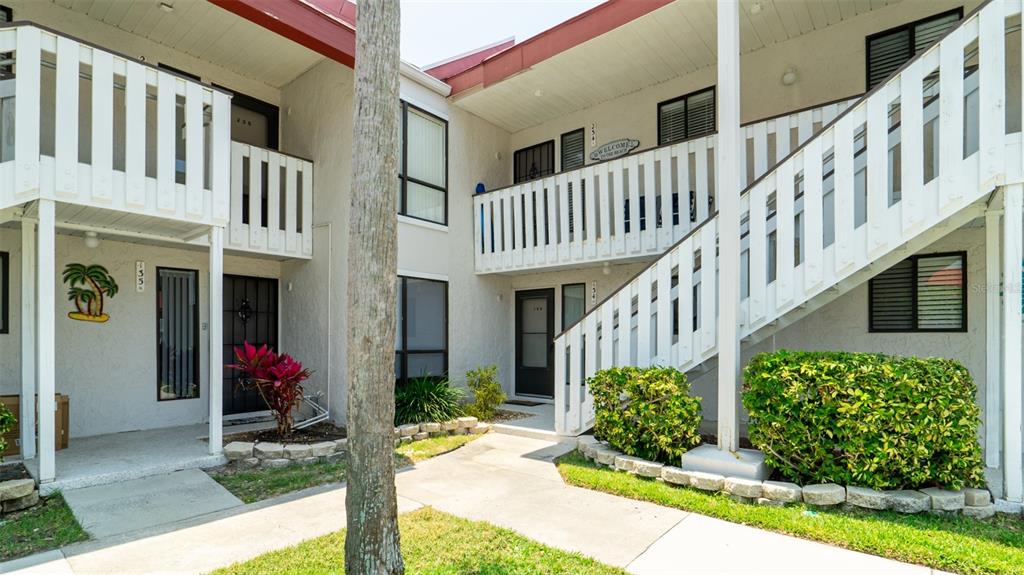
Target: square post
[(727, 168), (1013, 212), (28, 340), (993, 341), (216, 341), (45, 340)]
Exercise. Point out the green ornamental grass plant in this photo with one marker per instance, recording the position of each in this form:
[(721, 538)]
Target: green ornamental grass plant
[(865, 419), (427, 399), (646, 412), (7, 423)]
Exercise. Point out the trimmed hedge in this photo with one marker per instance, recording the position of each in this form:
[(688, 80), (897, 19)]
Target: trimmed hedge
[(645, 412), (865, 419)]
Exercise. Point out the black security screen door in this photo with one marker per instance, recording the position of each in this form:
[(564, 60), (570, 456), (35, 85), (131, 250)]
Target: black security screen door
[(535, 349), (250, 314)]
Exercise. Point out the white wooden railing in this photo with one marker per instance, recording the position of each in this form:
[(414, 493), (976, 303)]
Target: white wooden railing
[(586, 215), (99, 129), (821, 220), (271, 202)]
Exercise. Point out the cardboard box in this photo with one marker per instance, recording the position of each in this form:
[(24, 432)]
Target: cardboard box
[(61, 423)]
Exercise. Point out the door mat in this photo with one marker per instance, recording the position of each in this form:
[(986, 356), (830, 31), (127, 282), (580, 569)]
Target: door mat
[(524, 402)]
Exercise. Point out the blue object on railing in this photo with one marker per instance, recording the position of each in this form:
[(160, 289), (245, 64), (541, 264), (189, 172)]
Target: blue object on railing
[(480, 188)]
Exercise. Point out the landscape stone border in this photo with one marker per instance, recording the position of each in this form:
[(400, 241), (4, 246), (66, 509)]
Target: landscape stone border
[(17, 495), (976, 503), (250, 455)]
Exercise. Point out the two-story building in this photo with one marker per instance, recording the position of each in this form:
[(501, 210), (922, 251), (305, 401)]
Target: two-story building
[(559, 206)]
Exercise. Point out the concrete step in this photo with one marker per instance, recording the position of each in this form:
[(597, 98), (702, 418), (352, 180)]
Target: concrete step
[(531, 433)]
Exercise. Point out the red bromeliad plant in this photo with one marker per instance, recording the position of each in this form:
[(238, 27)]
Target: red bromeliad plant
[(277, 378)]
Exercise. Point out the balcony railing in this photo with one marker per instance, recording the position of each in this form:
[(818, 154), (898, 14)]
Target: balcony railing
[(106, 131), (271, 202), (605, 211)]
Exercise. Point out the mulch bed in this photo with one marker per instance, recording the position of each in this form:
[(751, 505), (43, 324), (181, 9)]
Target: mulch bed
[(313, 434), (13, 471), (503, 415)]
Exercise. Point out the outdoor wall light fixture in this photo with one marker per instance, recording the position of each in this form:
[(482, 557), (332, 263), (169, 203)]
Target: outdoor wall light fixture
[(91, 240), (606, 269), (789, 77)]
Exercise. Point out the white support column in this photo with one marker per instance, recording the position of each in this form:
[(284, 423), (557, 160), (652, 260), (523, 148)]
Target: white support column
[(45, 342), (28, 340), (216, 291), (728, 224), (993, 341), (1013, 479)]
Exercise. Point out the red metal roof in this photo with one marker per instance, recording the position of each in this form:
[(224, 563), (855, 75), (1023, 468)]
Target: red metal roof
[(325, 26)]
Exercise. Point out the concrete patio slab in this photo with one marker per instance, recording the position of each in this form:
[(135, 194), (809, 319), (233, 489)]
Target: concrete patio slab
[(105, 459), (106, 510)]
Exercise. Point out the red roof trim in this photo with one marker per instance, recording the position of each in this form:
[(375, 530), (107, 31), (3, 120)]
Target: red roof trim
[(324, 26), (459, 64), (573, 32)]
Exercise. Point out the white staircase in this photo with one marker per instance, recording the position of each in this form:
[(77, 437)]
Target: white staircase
[(867, 190)]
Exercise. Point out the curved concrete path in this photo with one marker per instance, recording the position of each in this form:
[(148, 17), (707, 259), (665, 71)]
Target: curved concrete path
[(505, 480)]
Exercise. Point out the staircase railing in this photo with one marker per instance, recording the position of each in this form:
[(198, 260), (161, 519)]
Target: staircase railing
[(626, 207), (871, 181)]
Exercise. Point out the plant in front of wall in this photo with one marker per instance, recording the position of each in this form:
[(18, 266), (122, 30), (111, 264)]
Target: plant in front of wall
[(89, 287), (7, 422), (427, 399), (277, 377), (487, 392)]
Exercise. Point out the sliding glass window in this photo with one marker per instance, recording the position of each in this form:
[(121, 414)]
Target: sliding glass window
[(423, 167), (421, 329)]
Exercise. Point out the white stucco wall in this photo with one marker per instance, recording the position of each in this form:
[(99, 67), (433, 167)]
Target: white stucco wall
[(830, 65), (109, 369)]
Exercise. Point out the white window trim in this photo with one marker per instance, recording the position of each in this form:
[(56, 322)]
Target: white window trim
[(423, 275)]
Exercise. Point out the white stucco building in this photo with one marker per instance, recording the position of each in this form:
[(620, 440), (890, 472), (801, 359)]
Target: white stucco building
[(857, 168)]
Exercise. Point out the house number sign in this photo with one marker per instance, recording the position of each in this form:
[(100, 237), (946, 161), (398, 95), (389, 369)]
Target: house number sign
[(140, 276), (614, 149)]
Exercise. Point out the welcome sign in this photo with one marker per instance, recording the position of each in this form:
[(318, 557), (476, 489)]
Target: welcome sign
[(614, 149)]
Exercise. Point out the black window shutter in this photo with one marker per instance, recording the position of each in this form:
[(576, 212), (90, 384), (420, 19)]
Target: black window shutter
[(889, 50), (572, 150), (892, 298)]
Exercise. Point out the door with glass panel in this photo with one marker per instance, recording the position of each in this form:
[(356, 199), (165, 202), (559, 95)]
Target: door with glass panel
[(535, 348), (250, 315)]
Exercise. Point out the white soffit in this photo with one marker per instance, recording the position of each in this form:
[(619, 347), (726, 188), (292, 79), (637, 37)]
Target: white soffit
[(206, 32), (672, 41)]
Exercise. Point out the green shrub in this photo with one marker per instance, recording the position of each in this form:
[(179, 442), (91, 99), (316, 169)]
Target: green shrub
[(487, 392), (7, 423), (646, 412), (427, 399), (865, 419)]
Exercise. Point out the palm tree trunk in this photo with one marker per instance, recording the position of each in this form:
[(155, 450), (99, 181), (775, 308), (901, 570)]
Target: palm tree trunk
[(372, 541), (98, 300)]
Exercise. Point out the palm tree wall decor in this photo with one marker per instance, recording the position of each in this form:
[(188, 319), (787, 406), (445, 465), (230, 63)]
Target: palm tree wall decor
[(88, 286)]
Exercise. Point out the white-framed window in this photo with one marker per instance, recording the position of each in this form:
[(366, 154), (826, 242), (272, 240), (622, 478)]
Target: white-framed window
[(423, 166)]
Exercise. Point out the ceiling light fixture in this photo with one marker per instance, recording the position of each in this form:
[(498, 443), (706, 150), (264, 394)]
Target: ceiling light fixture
[(789, 77), (755, 8)]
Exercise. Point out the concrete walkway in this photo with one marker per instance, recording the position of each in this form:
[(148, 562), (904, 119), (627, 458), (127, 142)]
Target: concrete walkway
[(505, 480)]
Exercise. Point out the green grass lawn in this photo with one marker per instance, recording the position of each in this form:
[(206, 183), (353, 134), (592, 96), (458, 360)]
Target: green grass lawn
[(433, 543), (950, 543), (46, 526), (258, 484)]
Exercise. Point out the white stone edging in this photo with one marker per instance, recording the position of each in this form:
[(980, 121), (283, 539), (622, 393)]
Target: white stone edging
[(247, 454), (976, 503)]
